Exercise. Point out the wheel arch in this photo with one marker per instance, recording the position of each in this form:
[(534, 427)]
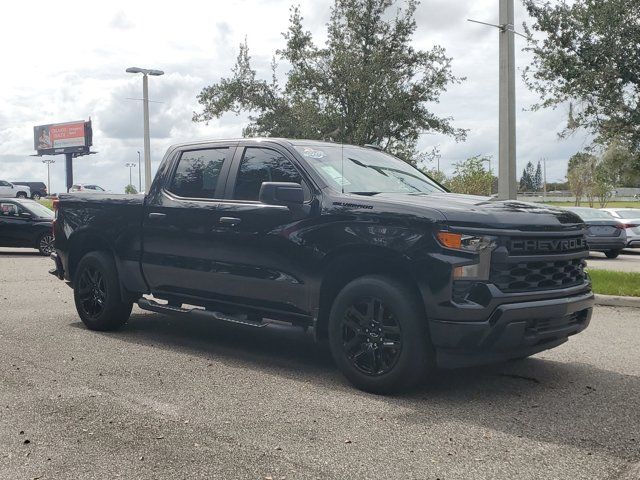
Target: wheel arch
[(349, 264), (85, 242)]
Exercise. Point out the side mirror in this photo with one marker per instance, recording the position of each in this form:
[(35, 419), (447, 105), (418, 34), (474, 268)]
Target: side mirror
[(281, 193), (25, 215)]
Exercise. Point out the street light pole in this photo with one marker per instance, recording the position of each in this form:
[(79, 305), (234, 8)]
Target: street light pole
[(145, 102), (130, 165), (48, 161), (147, 141)]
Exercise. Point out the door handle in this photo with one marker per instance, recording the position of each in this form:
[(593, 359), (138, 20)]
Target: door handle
[(157, 216), (230, 221)]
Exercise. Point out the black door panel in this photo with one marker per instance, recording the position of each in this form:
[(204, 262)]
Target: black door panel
[(263, 263), (266, 265), (180, 252)]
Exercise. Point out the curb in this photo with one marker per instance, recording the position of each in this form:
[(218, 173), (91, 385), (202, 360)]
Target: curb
[(615, 301)]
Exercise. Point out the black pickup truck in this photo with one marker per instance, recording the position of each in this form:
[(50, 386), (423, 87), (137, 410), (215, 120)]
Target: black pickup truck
[(397, 274)]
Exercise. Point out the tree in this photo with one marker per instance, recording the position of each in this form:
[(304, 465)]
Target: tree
[(579, 174), (602, 183), (438, 175), (367, 85), (130, 189), (471, 177), (621, 161), (537, 178), (587, 54), (527, 180)]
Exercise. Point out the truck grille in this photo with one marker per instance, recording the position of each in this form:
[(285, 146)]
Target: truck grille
[(538, 275)]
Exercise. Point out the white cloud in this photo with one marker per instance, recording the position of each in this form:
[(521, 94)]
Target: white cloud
[(54, 74), (120, 21)]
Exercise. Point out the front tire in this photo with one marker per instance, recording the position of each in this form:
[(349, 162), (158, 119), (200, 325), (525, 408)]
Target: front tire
[(21, 195), (378, 335), (36, 196), (96, 291), (45, 244), (612, 253)]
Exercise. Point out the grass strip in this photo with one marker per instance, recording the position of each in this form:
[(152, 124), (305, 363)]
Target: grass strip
[(606, 282)]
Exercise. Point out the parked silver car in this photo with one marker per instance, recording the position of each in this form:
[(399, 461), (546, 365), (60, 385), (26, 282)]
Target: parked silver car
[(630, 218), (86, 188)]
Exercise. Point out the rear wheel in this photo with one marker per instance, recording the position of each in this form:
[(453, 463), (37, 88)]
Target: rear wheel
[(21, 195), (45, 244), (612, 253), (378, 335), (96, 291)]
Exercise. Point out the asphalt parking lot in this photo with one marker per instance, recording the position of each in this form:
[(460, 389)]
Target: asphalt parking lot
[(628, 261), (167, 398)]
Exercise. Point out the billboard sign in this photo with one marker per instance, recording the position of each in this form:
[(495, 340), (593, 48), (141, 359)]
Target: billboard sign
[(70, 137)]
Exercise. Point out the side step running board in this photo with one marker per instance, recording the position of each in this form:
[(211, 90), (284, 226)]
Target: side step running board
[(154, 306)]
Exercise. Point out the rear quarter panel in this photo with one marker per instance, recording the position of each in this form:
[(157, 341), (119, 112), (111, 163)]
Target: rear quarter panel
[(110, 222)]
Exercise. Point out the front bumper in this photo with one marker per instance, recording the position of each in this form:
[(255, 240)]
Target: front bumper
[(513, 330)]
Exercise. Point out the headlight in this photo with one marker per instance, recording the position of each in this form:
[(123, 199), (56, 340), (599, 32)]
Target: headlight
[(482, 245), (468, 243)]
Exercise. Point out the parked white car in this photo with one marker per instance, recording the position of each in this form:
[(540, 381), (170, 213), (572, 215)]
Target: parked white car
[(9, 190), (630, 218)]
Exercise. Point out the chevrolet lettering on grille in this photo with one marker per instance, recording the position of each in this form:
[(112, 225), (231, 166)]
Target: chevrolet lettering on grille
[(548, 245)]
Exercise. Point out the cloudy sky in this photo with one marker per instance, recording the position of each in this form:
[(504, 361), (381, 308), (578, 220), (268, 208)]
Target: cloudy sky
[(68, 63)]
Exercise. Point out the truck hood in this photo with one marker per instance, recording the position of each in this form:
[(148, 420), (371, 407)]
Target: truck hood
[(485, 212)]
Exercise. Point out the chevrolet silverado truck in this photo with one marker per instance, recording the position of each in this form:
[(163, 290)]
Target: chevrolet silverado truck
[(395, 273)]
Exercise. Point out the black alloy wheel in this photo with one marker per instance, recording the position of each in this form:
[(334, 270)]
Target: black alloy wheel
[(371, 336), (92, 292), (378, 334), (46, 244), (98, 294)]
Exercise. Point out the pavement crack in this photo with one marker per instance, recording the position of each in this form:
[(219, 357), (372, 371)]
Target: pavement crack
[(520, 377)]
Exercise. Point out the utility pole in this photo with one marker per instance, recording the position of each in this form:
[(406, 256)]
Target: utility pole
[(507, 150), (139, 173), (507, 189), (48, 162), (544, 182)]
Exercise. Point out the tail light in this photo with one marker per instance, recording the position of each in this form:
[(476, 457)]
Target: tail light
[(629, 225)]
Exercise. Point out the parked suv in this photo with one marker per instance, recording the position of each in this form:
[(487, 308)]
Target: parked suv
[(38, 189), (9, 190), (369, 253)]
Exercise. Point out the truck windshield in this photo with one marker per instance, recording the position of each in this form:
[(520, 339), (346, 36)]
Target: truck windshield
[(365, 171)]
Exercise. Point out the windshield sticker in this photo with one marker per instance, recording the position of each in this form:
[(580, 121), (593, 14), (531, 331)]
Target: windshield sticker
[(311, 153), (335, 175)]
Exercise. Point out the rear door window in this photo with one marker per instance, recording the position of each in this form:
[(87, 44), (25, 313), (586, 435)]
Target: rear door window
[(198, 174), (9, 210)]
